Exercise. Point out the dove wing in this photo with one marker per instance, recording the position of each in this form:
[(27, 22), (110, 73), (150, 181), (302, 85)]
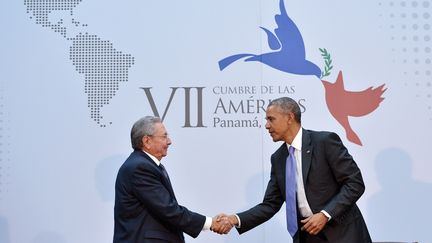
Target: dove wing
[(289, 35), (272, 40)]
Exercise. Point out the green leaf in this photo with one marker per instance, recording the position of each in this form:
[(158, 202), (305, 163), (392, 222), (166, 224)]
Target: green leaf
[(327, 61)]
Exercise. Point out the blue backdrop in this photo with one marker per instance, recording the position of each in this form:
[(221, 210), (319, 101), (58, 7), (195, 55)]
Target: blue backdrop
[(76, 74)]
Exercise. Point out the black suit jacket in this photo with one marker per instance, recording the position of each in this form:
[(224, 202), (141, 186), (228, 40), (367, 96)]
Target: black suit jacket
[(332, 182), (146, 209)]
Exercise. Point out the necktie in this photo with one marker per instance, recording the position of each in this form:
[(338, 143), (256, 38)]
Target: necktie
[(164, 172), (290, 190)]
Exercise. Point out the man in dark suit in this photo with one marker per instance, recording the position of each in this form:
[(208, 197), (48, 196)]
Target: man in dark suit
[(325, 184), (146, 209)]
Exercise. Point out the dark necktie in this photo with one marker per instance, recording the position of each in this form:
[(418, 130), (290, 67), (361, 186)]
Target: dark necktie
[(290, 190), (164, 172)]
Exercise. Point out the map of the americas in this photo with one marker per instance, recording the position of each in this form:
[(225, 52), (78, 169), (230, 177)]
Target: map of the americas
[(103, 66)]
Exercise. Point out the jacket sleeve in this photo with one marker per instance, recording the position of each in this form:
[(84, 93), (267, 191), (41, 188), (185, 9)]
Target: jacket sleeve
[(271, 204), (347, 176)]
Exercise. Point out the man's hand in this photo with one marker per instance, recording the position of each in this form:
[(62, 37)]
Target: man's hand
[(314, 224), (233, 220), (221, 224)]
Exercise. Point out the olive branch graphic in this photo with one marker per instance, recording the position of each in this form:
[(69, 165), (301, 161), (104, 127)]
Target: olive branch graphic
[(328, 62)]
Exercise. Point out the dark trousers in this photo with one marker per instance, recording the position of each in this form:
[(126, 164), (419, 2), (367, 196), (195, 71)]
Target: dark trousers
[(305, 237)]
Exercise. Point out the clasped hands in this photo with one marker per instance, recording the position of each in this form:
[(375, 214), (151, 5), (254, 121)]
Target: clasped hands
[(222, 223)]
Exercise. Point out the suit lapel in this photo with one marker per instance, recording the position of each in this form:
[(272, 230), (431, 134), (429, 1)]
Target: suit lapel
[(306, 154), (283, 156), (164, 180), (280, 165)]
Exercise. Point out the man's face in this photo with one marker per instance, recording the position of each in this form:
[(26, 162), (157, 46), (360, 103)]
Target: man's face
[(157, 144), (278, 123)]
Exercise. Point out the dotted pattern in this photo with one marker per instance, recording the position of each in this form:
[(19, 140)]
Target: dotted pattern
[(410, 24), (41, 10), (103, 67)]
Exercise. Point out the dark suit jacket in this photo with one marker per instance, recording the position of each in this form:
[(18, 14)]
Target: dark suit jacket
[(146, 209), (332, 182)]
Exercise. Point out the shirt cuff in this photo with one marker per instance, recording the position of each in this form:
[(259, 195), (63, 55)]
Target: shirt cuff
[(326, 214), (239, 222), (207, 224)]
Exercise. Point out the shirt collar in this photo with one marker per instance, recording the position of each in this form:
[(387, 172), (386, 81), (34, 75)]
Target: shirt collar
[(297, 142), (153, 158)]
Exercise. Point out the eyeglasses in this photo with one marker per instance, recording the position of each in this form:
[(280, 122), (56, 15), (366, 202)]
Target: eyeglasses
[(166, 136)]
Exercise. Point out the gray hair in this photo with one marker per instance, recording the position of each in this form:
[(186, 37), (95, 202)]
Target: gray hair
[(286, 104), (143, 127)]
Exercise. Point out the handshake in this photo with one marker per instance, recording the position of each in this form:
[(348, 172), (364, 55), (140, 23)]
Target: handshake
[(222, 223)]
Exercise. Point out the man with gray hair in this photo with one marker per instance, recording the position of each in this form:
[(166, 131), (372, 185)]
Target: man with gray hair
[(146, 209)]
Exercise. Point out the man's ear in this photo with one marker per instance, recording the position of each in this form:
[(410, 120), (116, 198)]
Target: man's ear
[(290, 117), (145, 141)]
